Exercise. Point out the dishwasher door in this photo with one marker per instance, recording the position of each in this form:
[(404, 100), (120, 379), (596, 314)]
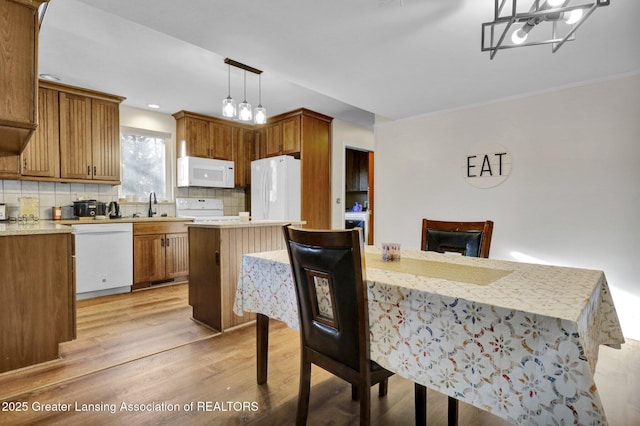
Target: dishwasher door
[(104, 259)]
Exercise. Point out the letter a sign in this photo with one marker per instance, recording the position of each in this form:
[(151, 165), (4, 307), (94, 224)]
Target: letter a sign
[(486, 166)]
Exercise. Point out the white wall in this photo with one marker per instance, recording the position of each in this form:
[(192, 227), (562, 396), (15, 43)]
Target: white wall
[(344, 135), (573, 196)]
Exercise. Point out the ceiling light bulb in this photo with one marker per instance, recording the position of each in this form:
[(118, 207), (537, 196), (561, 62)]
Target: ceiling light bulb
[(260, 115), (228, 107), (519, 36), (573, 16), (555, 3), (244, 111)]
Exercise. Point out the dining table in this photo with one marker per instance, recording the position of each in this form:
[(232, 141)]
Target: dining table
[(516, 339)]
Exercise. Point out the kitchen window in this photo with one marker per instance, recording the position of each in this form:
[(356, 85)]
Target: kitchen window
[(145, 164)]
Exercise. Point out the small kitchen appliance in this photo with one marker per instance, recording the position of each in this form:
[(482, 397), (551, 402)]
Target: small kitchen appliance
[(114, 210), (205, 172), (3, 212), (89, 208)]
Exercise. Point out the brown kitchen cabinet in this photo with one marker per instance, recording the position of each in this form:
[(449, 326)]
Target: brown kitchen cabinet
[(282, 138), (215, 255), (19, 26), (203, 136), (160, 253), (41, 156), (89, 136), (38, 298), (357, 173), (10, 167), (243, 140)]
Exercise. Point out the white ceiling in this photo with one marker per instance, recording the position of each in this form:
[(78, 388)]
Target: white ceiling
[(349, 59)]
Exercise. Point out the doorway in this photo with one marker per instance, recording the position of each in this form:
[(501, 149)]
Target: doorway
[(359, 193)]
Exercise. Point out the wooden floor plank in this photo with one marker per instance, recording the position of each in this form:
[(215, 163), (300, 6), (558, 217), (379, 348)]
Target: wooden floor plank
[(133, 352)]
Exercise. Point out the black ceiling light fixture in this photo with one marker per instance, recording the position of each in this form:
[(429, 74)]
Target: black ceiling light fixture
[(543, 22)]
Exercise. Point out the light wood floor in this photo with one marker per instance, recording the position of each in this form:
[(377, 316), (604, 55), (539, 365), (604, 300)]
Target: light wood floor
[(143, 348)]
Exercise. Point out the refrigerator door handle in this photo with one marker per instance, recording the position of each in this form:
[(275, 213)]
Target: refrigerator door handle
[(265, 198)]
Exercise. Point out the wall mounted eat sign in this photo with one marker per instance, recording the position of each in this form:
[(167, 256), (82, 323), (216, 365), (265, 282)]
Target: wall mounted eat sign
[(486, 166)]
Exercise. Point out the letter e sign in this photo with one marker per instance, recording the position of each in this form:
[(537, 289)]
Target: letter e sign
[(486, 166)]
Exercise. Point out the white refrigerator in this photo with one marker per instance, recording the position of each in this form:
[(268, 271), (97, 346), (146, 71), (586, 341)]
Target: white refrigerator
[(275, 188)]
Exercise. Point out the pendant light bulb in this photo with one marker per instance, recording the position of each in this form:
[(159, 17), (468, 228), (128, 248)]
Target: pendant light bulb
[(573, 16), (228, 104), (245, 113), (260, 112)]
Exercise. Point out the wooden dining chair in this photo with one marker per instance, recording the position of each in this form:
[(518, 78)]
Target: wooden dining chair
[(329, 275), (467, 238)]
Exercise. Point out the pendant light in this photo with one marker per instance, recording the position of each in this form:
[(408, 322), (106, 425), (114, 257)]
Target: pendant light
[(260, 112), (520, 23), (244, 112), (228, 104)]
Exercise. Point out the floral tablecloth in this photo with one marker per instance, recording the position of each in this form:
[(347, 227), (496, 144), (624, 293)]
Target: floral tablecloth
[(523, 347)]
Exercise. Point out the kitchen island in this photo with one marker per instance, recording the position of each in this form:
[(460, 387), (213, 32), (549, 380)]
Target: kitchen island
[(215, 255), (37, 292)]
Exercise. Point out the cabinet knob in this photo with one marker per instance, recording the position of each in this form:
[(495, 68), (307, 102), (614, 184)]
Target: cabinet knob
[(88, 170), (166, 242), (25, 164)]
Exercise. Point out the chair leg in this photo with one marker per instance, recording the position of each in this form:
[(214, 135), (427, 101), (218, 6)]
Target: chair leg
[(365, 405), (453, 411), (420, 404), (303, 391), (382, 387), (355, 394)]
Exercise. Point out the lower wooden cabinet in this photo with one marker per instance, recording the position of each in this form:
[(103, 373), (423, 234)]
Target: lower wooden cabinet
[(160, 253), (215, 256), (37, 296)]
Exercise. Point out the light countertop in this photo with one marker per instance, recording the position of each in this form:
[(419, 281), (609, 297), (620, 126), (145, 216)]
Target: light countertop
[(33, 228), (239, 224), (88, 221), (63, 226)]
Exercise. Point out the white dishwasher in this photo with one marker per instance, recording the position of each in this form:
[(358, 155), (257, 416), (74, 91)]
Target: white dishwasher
[(103, 259)]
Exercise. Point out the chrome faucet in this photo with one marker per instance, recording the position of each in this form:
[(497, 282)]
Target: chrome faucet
[(155, 201)]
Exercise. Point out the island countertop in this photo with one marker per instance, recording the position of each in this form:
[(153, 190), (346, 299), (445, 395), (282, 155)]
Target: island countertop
[(227, 224)]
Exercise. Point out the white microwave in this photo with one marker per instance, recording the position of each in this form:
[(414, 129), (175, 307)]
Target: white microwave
[(205, 172)]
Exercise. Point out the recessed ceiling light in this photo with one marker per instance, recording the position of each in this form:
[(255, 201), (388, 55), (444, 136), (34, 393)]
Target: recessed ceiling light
[(154, 106), (49, 77)]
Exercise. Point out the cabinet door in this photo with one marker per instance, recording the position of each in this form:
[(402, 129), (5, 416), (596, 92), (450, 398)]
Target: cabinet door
[(198, 138), (148, 258), (351, 178), (10, 166), (177, 255), (105, 139), (272, 140), (75, 136), (243, 148), (291, 135), (41, 156), (18, 73), (222, 143)]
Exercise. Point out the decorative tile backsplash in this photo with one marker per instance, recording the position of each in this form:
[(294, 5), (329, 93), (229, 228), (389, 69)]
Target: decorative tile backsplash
[(63, 194)]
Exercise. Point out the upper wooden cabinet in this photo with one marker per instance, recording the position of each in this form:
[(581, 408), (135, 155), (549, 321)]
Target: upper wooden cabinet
[(281, 138), (41, 156), (18, 73), (203, 136), (243, 140), (89, 127), (357, 173)]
